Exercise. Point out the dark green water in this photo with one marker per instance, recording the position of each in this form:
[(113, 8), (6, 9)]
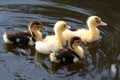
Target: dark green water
[(21, 63)]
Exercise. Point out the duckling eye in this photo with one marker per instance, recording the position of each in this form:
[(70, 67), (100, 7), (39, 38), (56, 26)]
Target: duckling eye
[(37, 23), (97, 20), (77, 41), (37, 26), (64, 26)]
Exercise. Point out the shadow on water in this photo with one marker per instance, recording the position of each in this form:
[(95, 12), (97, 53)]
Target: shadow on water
[(24, 63)]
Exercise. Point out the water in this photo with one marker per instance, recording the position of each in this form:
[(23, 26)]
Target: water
[(23, 63)]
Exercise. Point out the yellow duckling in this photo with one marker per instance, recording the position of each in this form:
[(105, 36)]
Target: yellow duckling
[(25, 37), (87, 35), (53, 42)]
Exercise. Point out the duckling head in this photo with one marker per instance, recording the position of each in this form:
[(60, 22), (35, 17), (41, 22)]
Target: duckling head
[(95, 21), (60, 26), (34, 26), (74, 42)]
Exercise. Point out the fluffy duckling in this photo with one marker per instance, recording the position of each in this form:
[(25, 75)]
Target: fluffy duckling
[(71, 54), (87, 35), (25, 37), (53, 42)]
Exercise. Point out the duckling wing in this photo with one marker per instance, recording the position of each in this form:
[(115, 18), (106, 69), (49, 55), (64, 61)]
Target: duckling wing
[(87, 35), (67, 34), (48, 37), (84, 34), (64, 56)]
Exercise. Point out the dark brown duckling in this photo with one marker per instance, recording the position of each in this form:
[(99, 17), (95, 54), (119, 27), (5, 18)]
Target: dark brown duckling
[(25, 37), (71, 54)]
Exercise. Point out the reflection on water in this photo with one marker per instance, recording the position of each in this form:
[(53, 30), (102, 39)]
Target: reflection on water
[(18, 62)]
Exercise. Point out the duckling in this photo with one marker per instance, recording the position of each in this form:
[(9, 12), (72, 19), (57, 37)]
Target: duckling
[(71, 54), (87, 35), (53, 42), (25, 37)]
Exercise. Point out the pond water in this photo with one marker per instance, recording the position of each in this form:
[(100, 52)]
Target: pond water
[(24, 63)]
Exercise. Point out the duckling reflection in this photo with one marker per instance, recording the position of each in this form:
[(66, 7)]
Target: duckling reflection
[(71, 54), (25, 37), (19, 50), (42, 60)]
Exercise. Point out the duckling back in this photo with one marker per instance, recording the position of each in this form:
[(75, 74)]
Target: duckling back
[(46, 46), (21, 38), (64, 56)]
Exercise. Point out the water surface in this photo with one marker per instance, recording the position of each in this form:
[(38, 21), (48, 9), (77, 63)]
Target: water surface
[(24, 63)]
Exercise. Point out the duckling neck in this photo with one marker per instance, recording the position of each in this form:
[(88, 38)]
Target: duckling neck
[(93, 29), (79, 51), (38, 35), (58, 36)]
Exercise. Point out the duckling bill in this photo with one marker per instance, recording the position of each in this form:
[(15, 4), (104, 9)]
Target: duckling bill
[(25, 37)]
